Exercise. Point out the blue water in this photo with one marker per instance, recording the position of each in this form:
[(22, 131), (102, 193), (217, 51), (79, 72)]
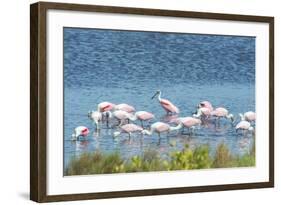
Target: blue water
[(129, 66)]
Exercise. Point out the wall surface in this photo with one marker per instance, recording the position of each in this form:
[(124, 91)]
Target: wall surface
[(14, 109)]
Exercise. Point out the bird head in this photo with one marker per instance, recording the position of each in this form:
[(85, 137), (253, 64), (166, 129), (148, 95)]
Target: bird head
[(156, 94), (90, 113)]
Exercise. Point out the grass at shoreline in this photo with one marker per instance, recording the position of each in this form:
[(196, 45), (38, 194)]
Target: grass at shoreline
[(186, 159)]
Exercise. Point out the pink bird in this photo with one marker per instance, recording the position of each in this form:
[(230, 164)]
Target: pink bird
[(129, 129), (96, 117), (244, 125), (125, 107), (188, 122), (248, 116), (206, 104), (222, 112), (166, 104), (160, 127), (121, 116), (203, 112), (105, 106), (80, 131), (142, 116)]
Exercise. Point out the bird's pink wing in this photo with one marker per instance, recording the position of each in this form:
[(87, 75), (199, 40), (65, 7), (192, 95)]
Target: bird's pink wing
[(107, 106), (168, 106), (146, 116), (163, 127)]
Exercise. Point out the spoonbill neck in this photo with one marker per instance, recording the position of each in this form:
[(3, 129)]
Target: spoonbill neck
[(179, 126), (159, 96), (146, 132), (133, 117)]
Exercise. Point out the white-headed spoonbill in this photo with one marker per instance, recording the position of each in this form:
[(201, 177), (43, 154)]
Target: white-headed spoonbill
[(222, 112), (160, 127), (129, 129), (96, 117), (249, 116), (188, 122), (244, 125), (142, 116), (80, 131), (168, 106)]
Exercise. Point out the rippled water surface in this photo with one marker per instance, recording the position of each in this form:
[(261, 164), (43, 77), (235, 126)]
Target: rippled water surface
[(128, 67)]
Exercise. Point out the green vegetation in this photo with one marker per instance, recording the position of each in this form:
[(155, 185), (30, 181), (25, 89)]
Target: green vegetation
[(186, 159)]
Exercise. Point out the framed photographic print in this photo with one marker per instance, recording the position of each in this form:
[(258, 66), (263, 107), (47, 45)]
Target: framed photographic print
[(134, 102)]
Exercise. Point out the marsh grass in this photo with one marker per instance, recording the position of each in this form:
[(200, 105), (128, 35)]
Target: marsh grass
[(186, 159)]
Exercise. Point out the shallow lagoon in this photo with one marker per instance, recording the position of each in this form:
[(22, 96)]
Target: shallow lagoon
[(128, 67)]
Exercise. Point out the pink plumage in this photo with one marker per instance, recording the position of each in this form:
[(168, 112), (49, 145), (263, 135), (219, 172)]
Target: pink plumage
[(206, 104), (220, 112), (168, 106), (129, 128), (248, 116), (125, 107), (105, 106), (243, 125), (190, 121), (143, 115)]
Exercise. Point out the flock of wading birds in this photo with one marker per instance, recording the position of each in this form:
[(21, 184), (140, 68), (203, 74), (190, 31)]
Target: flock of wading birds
[(125, 114)]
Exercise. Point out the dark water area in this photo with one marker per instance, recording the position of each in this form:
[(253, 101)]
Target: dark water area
[(128, 67)]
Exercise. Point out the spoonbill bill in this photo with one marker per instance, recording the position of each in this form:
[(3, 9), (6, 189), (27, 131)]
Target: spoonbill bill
[(249, 116), (168, 106), (80, 131), (160, 127), (142, 116), (129, 129), (244, 125), (96, 117)]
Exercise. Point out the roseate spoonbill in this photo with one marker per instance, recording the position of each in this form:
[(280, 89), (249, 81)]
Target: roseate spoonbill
[(121, 115), (218, 112), (80, 131), (160, 127), (105, 108), (96, 117), (203, 112), (222, 112), (142, 116), (166, 104), (188, 122), (128, 128), (125, 107), (244, 125), (206, 104), (249, 116)]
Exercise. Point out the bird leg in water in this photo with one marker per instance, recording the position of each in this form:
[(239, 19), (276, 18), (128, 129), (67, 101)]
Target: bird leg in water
[(159, 139)]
